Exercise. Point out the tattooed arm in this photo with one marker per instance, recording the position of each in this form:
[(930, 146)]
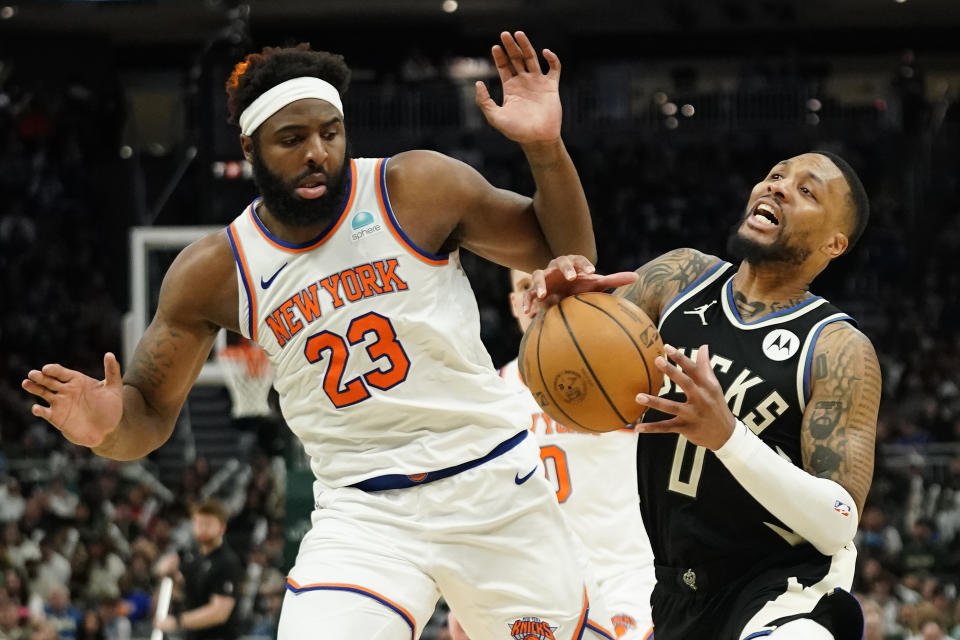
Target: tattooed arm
[(651, 287), (197, 297), (663, 278), (127, 418), (840, 422)]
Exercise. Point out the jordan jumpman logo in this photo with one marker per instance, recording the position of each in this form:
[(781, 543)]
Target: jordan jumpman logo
[(702, 309)]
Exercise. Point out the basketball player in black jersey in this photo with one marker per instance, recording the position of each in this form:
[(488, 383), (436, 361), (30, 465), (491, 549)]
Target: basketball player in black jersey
[(759, 453)]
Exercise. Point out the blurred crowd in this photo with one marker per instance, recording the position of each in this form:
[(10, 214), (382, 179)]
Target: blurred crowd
[(80, 535), (81, 538)]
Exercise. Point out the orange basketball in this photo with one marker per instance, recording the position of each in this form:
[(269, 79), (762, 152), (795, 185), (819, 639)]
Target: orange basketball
[(586, 359)]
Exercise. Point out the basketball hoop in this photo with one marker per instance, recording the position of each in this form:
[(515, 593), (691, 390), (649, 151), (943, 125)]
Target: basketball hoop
[(249, 377)]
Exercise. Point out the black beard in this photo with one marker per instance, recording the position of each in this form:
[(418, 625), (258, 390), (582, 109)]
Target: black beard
[(758, 254), (289, 208)]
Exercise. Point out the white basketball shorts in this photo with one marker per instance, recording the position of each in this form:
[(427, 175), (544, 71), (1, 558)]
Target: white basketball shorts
[(490, 539)]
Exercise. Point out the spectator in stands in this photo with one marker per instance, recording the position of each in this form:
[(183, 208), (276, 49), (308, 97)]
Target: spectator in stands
[(43, 630), (136, 601), (877, 538), (53, 569), (116, 626), (20, 549), (879, 588), (955, 629), (932, 630), (15, 586), (11, 622), (269, 597), (11, 500), (61, 502), (60, 613), (922, 553), (104, 568), (92, 626), (210, 577), (874, 625)]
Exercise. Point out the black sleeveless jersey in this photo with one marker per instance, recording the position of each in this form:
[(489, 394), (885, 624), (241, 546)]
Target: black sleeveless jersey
[(694, 510)]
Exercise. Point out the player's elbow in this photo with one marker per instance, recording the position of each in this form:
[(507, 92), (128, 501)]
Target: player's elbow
[(837, 532), (831, 546)]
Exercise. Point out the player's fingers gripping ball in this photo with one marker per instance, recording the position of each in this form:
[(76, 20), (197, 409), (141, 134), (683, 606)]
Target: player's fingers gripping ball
[(586, 359)]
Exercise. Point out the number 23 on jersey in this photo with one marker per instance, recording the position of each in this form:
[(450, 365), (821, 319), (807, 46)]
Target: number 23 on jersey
[(334, 348)]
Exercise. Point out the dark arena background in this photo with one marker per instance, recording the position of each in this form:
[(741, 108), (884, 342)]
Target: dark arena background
[(115, 152)]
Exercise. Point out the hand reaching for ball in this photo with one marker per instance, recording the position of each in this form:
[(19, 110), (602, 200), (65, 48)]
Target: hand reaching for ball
[(566, 276)]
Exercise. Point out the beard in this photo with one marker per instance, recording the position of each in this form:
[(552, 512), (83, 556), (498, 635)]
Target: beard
[(779, 251), (281, 199)]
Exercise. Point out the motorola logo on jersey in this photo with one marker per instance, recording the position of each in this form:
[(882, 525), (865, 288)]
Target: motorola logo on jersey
[(363, 224), (530, 628), (780, 344)]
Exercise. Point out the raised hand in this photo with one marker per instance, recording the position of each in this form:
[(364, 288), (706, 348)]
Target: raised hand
[(566, 276), (704, 419), (85, 410), (531, 109)]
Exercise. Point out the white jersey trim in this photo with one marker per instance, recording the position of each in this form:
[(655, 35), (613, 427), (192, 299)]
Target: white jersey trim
[(247, 306), (806, 357), (383, 199)]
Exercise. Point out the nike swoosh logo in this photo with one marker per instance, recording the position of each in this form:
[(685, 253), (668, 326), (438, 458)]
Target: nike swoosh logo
[(266, 283), (520, 480)]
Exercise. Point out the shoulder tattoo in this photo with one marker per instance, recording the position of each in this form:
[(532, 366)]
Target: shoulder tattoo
[(663, 278)]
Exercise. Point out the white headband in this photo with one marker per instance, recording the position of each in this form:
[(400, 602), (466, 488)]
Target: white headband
[(281, 95)]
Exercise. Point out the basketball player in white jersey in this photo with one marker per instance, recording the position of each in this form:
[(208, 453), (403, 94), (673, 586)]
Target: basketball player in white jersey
[(758, 450), (595, 479), (346, 272)]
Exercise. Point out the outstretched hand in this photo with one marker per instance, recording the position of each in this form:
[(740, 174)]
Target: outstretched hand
[(84, 409), (566, 276), (704, 419), (531, 110)]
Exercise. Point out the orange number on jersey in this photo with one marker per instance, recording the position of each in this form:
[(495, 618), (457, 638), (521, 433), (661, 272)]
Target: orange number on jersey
[(561, 474), (385, 346), (325, 341)]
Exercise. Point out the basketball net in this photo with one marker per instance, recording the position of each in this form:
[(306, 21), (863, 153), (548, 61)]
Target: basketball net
[(249, 377)]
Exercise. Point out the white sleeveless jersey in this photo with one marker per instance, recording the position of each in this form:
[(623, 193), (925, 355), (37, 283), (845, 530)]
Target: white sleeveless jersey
[(375, 342), (595, 477)]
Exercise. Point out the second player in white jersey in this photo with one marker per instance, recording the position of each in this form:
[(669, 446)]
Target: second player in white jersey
[(595, 478)]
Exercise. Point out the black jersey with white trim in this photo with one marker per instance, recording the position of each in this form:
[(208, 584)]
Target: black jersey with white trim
[(695, 512)]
